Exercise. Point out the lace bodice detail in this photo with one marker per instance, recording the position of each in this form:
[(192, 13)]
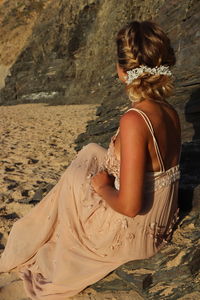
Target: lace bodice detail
[(111, 162)]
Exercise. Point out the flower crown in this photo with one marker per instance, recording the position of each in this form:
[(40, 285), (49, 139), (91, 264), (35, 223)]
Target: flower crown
[(135, 73)]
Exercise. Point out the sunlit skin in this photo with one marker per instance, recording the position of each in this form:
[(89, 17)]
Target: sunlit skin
[(135, 148)]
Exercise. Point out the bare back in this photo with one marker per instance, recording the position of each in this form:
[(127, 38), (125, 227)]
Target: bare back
[(166, 125)]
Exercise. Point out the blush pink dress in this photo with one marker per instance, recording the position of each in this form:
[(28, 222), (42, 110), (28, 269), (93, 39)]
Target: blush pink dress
[(72, 238)]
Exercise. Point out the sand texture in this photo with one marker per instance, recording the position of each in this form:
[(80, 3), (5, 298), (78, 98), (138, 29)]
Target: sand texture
[(37, 144)]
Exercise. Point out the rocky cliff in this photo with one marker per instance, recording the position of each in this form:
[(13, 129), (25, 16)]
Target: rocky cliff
[(69, 58), (70, 55), (17, 20)]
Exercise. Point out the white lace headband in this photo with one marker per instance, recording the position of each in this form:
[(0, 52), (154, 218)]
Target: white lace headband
[(135, 73)]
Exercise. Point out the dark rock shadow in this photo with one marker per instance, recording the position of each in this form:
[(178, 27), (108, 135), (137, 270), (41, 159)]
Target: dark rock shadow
[(189, 192)]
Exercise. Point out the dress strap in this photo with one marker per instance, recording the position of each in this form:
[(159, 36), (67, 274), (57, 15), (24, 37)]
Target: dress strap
[(116, 132), (149, 124)]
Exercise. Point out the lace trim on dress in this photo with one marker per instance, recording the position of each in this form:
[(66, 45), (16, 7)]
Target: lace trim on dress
[(170, 176)]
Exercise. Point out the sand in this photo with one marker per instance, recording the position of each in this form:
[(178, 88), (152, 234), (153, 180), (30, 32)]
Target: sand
[(37, 144)]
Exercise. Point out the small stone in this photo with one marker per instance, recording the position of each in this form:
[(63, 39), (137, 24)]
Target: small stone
[(25, 193), (12, 186), (38, 195), (33, 161), (10, 216), (8, 169)]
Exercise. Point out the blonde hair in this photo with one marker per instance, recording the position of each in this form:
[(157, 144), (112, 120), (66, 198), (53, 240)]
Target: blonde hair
[(145, 43)]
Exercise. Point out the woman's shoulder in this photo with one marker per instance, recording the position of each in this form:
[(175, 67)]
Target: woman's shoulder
[(132, 122), (131, 115)]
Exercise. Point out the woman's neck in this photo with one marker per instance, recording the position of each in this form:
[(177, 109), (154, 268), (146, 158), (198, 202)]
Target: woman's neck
[(148, 102)]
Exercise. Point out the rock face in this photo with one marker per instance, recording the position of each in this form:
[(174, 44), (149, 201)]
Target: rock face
[(17, 18), (70, 58)]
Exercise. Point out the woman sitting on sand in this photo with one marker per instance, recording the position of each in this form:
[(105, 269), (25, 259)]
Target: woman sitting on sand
[(109, 206)]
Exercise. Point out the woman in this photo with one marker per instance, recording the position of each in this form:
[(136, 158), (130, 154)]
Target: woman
[(113, 206)]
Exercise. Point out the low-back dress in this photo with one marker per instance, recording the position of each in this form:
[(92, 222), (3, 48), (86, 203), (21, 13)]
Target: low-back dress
[(72, 237)]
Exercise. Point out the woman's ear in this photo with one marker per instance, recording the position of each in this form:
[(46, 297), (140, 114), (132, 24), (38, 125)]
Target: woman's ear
[(121, 74)]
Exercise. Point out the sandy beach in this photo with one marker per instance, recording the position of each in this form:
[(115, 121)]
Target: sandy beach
[(37, 144)]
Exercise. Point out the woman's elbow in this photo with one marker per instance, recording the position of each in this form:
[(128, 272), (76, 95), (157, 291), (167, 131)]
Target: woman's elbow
[(131, 207), (131, 212)]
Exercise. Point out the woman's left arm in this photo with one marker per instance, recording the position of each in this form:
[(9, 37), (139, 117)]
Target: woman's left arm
[(133, 150)]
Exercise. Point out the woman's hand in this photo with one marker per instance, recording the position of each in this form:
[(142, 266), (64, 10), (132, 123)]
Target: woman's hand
[(100, 180)]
